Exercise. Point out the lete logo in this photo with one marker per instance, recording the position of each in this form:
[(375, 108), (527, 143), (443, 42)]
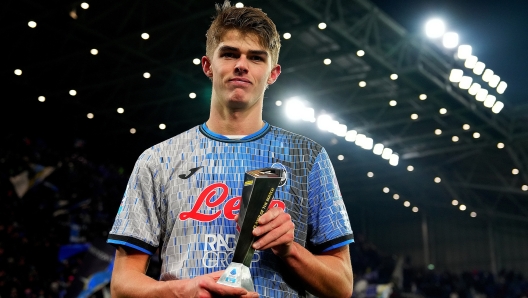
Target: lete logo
[(230, 206)]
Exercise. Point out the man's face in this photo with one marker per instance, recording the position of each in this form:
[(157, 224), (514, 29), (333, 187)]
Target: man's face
[(240, 69)]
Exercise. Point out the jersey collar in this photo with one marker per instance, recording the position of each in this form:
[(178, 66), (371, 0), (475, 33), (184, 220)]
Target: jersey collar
[(218, 137)]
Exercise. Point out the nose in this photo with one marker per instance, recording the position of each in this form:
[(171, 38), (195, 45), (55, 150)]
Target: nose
[(241, 67)]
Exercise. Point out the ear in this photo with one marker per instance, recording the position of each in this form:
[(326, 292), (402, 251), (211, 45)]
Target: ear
[(275, 72), (206, 66)]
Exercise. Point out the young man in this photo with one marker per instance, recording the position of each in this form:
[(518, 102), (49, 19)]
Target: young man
[(182, 196)]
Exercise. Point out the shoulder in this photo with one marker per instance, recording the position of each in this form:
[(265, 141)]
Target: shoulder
[(301, 141)]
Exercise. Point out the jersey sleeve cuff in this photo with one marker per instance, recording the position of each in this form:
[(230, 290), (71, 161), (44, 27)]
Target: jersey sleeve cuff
[(334, 243), (118, 240)]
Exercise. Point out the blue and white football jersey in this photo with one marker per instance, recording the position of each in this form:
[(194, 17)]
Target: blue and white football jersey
[(183, 194)]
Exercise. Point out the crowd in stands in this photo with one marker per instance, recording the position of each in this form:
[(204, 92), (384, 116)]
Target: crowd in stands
[(62, 196)]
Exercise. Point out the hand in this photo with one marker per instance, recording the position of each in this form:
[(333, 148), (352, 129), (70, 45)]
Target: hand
[(275, 231), (205, 286)]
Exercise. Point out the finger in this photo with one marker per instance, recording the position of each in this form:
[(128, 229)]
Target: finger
[(281, 235), (279, 220), (219, 289), (270, 215)]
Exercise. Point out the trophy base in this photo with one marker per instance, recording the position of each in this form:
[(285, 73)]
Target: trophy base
[(237, 275)]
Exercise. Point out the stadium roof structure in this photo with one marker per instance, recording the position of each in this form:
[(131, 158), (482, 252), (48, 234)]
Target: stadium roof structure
[(55, 57)]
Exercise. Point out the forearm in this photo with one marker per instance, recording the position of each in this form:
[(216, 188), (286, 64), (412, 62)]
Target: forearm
[(322, 275), (133, 284)]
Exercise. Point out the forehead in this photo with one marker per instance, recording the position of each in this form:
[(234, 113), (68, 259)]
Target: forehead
[(242, 41)]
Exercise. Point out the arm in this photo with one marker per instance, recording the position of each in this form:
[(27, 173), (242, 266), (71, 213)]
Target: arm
[(129, 280), (328, 274)]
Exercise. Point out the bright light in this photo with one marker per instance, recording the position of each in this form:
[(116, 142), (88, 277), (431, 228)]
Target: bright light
[(324, 122), (286, 35), (497, 107), (438, 132), (360, 138), (494, 81), (489, 101), (32, 24), (415, 209), (146, 75), (410, 168), (465, 82), (393, 103), (437, 179), (462, 207), (524, 187), (368, 143), (475, 87), (162, 126), (90, 116), (322, 26), (18, 72), (454, 202), (455, 139), (393, 160), (340, 130), (406, 204), (145, 36), (278, 103), (515, 171), (294, 109), (340, 157), (333, 127), (309, 115), (132, 130), (41, 98), (370, 174), (464, 51), (386, 190), (487, 75), (396, 196), (434, 28), (386, 154), (442, 111), (196, 61), (360, 53), (239, 5), (94, 52), (73, 92), (476, 135), (466, 127), (479, 68), (362, 84), (393, 76), (414, 116), (327, 61), (351, 136), (85, 5), (481, 94), (450, 40), (471, 61), (500, 145), (456, 75), (192, 95), (502, 87), (423, 96), (120, 110), (378, 149), (473, 214)]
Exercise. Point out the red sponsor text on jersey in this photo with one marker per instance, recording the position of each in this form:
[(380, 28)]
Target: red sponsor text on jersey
[(228, 210)]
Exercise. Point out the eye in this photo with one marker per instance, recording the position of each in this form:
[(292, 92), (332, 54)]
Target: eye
[(257, 58), (228, 55)]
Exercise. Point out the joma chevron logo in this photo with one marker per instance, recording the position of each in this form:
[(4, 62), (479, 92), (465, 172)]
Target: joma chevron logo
[(192, 171)]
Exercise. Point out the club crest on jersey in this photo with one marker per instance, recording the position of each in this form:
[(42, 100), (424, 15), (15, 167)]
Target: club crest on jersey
[(284, 177)]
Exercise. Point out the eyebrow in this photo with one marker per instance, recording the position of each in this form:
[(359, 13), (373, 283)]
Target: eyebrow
[(233, 49)]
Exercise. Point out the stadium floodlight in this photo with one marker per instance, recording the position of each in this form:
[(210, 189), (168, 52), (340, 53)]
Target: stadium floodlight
[(368, 143), (351, 136), (378, 149), (489, 101), (324, 121), (475, 87), (456, 75), (481, 94), (465, 82), (471, 61), (434, 28), (479, 68), (340, 130), (360, 138), (486, 76), (294, 109), (308, 114), (393, 159), (386, 154), (494, 81), (497, 107), (450, 40), (333, 126), (464, 51), (502, 87)]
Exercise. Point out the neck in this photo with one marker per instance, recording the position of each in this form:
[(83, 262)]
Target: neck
[(235, 122)]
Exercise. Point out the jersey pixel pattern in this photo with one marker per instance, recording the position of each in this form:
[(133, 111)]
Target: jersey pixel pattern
[(183, 194)]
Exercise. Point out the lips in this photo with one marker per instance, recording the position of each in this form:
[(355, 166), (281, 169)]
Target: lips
[(240, 80)]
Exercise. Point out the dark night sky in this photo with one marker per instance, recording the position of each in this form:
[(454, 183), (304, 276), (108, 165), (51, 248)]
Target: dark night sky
[(497, 31)]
